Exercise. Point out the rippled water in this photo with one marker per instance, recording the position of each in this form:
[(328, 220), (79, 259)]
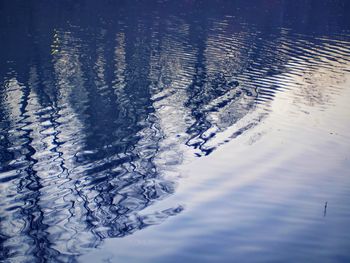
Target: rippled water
[(183, 131)]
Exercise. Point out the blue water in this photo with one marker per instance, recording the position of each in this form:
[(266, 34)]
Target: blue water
[(175, 131)]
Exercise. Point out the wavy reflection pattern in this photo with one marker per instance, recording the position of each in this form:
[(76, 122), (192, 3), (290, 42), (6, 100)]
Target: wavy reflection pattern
[(93, 129)]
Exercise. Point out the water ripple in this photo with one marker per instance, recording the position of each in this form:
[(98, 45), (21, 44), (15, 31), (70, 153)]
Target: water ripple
[(96, 122)]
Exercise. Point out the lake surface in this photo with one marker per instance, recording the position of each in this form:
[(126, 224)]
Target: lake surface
[(175, 131)]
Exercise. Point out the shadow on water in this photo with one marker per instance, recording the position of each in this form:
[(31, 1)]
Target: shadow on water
[(98, 101)]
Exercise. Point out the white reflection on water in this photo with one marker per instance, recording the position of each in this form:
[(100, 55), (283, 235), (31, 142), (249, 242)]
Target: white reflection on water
[(267, 198), (262, 195)]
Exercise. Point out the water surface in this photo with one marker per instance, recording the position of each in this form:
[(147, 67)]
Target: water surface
[(174, 131)]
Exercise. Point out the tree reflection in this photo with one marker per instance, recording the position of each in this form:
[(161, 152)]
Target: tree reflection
[(107, 106)]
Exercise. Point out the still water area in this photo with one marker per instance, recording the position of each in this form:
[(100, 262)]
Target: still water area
[(175, 131)]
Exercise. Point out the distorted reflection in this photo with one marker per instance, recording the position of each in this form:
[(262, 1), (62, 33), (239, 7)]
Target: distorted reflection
[(92, 129)]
